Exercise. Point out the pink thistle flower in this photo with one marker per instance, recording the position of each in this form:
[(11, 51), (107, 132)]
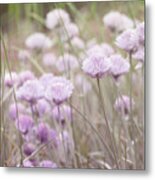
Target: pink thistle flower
[(42, 107), (59, 90), (26, 75), (15, 109), (38, 41), (96, 65), (67, 62), (139, 54), (49, 59), (77, 43), (140, 33), (57, 17), (47, 164), (30, 91), (28, 149), (107, 49), (119, 65), (62, 113), (24, 123), (11, 79), (24, 55), (128, 41), (46, 79), (122, 105), (116, 21)]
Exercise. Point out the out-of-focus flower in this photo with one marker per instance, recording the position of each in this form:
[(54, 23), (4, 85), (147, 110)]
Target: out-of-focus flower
[(49, 59), (24, 55), (128, 40), (139, 54), (47, 164), (122, 104), (119, 65), (69, 30), (46, 79), (15, 109), (26, 75), (77, 43), (57, 17), (67, 62), (62, 113), (30, 91), (43, 132), (96, 65), (59, 90), (24, 123), (11, 79), (28, 149), (83, 84), (38, 41), (28, 163), (107, 49), (116, 21), (140, 33)]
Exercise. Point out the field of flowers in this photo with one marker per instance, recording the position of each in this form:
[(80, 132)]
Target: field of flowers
[(72, 86)]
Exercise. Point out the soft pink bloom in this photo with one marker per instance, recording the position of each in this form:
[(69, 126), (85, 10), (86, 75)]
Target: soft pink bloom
[(11, 79), (28, 148), (59, 90), (140, 33), (38, 41), (119, 65), (96, 64), (128, 40), (49, 59), (24, 123), (28, 163), (24, 55), (77, 43), (57, 17), (67, 62), (26, 75), (46, 79), (47, 164), (116, 21), (122, 104), (107, 49), (139, 54), (30, 91)]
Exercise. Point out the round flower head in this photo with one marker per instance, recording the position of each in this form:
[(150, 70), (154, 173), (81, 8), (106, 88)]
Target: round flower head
[(30, 91), (122, 105), (67, 62), (24, 123), (28, 163), (28, 149), (56, 17), (119, 65), (24, 55), (47, 164), (107, 50), (15, 109), (43, 132), (140, 33), (96, 65), (69, 30), (38, 41), (59, 90), (127, 41), (42, 107), (62, 113), (26, 75), (139, 54), (11, 79), (116, 21), (77, 43), (49, 59), (46, 79)]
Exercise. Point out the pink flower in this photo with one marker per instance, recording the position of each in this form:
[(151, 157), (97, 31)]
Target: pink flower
[(38, 41), (107, 49), (42, 107), (59, 90), (26, 75), (15, 109), (119, 65), (140, 33), (139, 54), (128, 40), (67, 62), (77, 43), (28, 163), (11, 79), (57, 17), (24, 55), (49, 59), (24, 123), (30, 91), (46, 79), (122, 105), (47, 164), (116, 21), (96, 65), (28, 149)]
